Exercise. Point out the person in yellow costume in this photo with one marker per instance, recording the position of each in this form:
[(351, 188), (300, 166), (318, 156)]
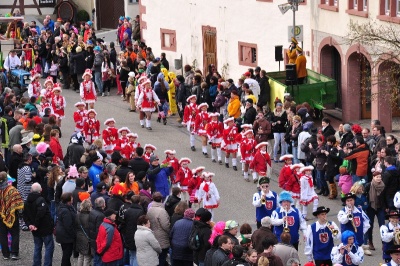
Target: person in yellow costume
[(170, 78), (291, 52)]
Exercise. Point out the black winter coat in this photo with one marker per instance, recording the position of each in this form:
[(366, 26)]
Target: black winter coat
[(78, 61), (204, 230), (115, 202), (15, 161), (391, 178), (279, 128), (129, 228), (122, 172), (328, 131), (250, 115), (138, 165), (171, 203), (37, 213), (74, 154), (65, 227), (346, 138), (333, 161), (82, 232), (96, 217), (265, 92)]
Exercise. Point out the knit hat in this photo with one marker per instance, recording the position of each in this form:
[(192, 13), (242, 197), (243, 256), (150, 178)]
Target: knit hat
[(347, 127), (153, 158), (189, 213), (83, 195), (109, 212), (203, 214)]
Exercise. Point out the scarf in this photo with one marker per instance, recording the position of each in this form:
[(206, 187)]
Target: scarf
[(278, 114), (374, 192), (10, 202), (309, 179)]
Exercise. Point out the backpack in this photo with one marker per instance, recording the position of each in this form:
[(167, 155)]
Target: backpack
[(194, 242)]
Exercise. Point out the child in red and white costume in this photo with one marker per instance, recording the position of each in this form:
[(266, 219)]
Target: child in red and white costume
[(44, 103), (80, 116), (214, 134), (110, 136), (208, 193), (230, 145), (183, 177), (129, 150), (261, 165), (293, 184), (123, 139), (189, 118), (91, 127), (285, 172), (194, 185), (148, 151), (47, 91), (171, 159), (200, 123), (138, 90), (34, 88), (87, 90), (248, 150), (307, 192), (58, 103), (146, 101), (239, 139)]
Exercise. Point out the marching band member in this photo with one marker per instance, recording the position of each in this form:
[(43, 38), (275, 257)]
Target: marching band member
[(208, 193), (288, 218), (110, 136), (389, 233), (214, 134), (265, 201), (261, 164), (34, 88), (200, 125), (189, 118), (194, 185), (353, 218), (247, 149), (286, 172), (348, 253), (174, 163), (307, 192), (58, 103), (183, 177), (146, 101), (80, 116), (230, 145), (319, 238), (148, 151), (394, 253), (91, 127), (138, 90), (87, 90), (293, 184)]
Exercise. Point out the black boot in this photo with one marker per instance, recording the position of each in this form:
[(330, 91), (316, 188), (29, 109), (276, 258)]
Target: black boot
[(322, 191), (164, 121), (159, 120), (326, 192)]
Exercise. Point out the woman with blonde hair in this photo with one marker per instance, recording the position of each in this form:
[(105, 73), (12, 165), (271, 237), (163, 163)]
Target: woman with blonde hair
[(263, 261)]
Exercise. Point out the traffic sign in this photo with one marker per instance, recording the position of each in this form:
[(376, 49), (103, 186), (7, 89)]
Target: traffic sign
[(298, 33)]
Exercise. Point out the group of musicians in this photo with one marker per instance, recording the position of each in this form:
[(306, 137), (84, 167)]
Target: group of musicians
[(319, 236)]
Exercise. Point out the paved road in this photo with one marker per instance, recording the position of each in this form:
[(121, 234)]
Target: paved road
[(236, 194)]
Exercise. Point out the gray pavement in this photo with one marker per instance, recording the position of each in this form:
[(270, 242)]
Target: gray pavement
[(236, 194)]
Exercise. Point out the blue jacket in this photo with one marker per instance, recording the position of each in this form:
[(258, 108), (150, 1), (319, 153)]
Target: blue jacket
[(159, 177), (94, 174), (179, 237)]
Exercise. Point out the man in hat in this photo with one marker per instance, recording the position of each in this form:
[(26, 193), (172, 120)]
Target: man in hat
[(301, 66), (353, 218), (291, 52), (265, 200), (39, 221), (319, 238), (394, 253), (390, 233), (288, 218)]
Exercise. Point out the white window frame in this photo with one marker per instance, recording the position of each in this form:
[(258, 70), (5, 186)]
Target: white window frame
[(335, 2)]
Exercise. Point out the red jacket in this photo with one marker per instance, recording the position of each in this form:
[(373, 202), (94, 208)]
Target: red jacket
[(175, 164), (56, 148), (293, 184), (183, 177), (259, 164), (116, 250), (284, 176)]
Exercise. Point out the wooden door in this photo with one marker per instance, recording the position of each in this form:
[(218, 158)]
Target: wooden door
[(209, 48), (365, 86), (108, 13)]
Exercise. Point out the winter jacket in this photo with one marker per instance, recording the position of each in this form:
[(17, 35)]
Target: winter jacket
[(122, 172), (346, 138), (96, 217), (320, 157), (285, 252), (37, 213), (262, 129), (265, 91), (390, 178), (94, 174), (219, 102), (203, 96), (333, 161), (250, 115), (78, 61), (204, 230), (171, 203), (219, 257), (179, 237), (360, 159), (279, 128), (147, 247), (138, 164), (65, 227), (74, 154), (158, 176), (115, 202), (116, 250), (159, 222), (129, 227), (236, 261), (234, 107), (294, 136), (98, 61), (328, 131), (82, 233), (259, 235)]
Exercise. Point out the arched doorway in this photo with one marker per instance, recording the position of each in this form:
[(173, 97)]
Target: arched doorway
[(359, 83), (331, 66), (389, 85)]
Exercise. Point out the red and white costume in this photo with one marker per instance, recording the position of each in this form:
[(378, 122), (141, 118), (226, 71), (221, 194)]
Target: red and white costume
[(87, 90), (174, 163), (110, 137), (293, 184), (91, 128), (248, 147), (194, 184), (130, 148), (230, 144), (35, 87), (80, 117), (201, 121), (285, 172), (47, 92), (183, 177), (189, 115), (58, 102), (123, 140), (307, 192), (147, 98), (208, 193), (261, 161), (146, 155), (214, 132)]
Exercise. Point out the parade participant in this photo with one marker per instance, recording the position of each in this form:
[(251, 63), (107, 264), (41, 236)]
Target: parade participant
[(148, 151), (87, 90), (214, 135), (171, 78), (58, 103), (288, 218), (353, 218), (319, 238), (189, 118), (347, 253), (138, 91), (194, 185), (183, 176), (394, 253), (146, 101), (261, 165), (170, 158), (286, 172), (123, 139), (230, 145), (200, 125), (291, 52), (390, 233), (307, 192), (48, 88), (34, 88), (91, 127), (130, 92), (293, 184), (208, 193), (265, 200), (130, 148), (80, 116), (247, 149), (240, 137), (109, 136), (301, 64)]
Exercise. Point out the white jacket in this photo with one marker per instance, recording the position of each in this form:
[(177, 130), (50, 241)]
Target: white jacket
[(147, 247)]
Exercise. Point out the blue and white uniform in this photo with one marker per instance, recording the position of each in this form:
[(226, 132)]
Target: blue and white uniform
[(360, 219), (354, 257), (387, 235), (295, 222), (271, 203)]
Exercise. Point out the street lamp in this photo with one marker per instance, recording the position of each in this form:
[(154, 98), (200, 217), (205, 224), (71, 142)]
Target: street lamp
[(294, 6)]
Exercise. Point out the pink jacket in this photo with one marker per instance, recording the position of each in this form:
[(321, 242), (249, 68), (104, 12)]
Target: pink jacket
[(345, 182)]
